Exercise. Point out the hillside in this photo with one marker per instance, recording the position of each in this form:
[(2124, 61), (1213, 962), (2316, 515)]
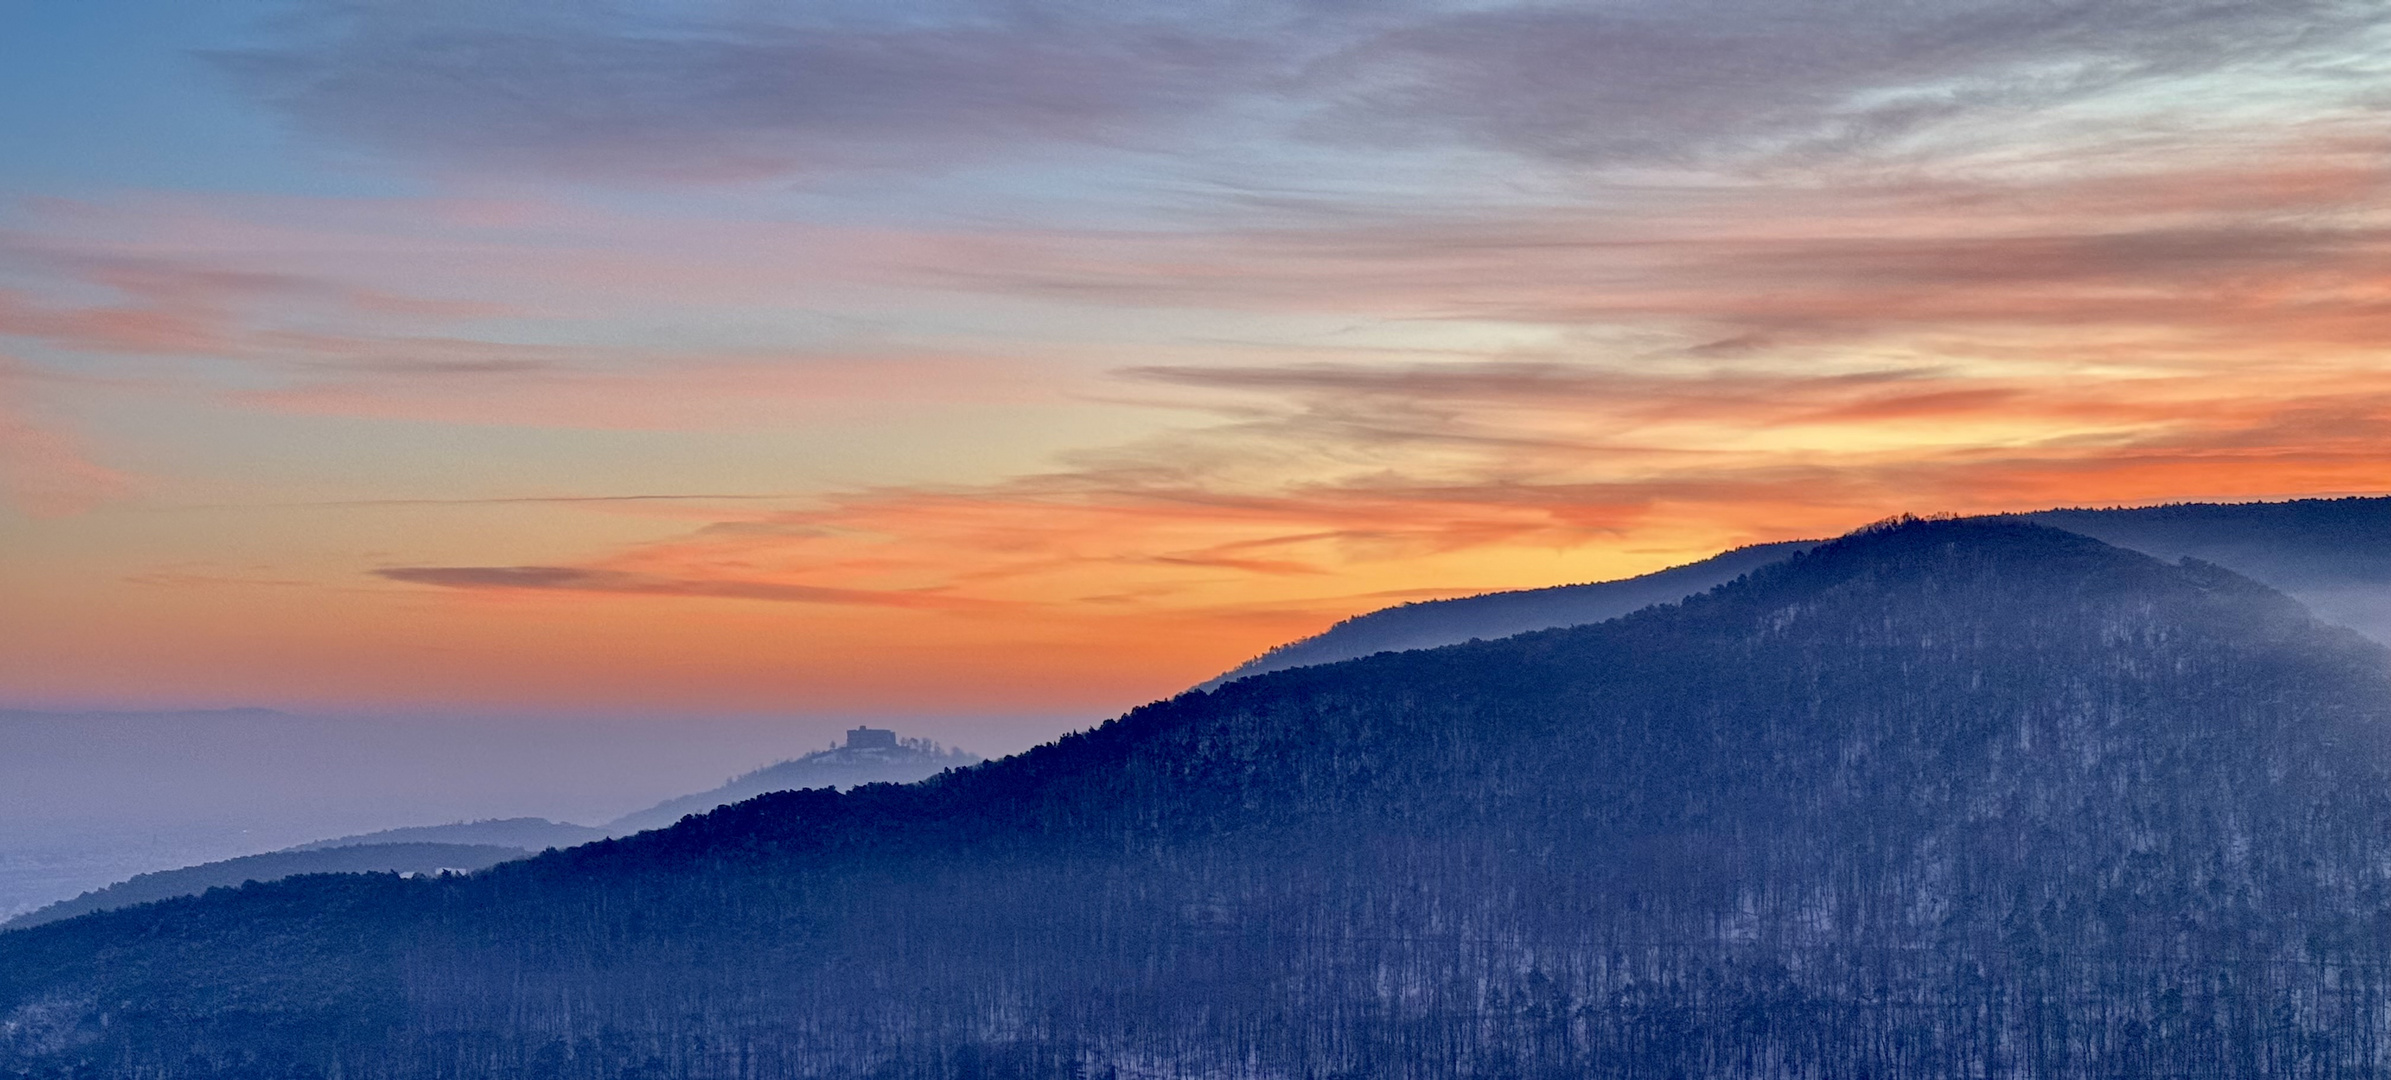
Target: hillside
[(1936, 799), (474, 845), (2333, 555), (526, 833), (881, 758), (1428, 624), (401, 858)]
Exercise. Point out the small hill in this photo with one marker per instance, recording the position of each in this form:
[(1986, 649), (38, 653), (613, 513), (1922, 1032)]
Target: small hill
[(526, 833), (400, 858), (870, 756), (879, 757)]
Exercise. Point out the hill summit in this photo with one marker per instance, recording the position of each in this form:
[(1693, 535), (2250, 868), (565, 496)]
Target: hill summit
[(1939, 798), (868, 756)]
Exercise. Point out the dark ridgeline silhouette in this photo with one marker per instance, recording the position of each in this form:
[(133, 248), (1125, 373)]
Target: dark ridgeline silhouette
[(2333, 555), (1429, 624), (400, 858), (1938, 799), (869, 756), (2297, 544), (528, 833)]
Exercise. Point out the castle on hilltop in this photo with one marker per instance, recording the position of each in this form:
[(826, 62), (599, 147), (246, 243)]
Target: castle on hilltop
[(870, 738), (878, 743)]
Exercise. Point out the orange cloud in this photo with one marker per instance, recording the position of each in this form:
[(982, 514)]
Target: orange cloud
[(1225, 541), (1336, 405), (451, 381)]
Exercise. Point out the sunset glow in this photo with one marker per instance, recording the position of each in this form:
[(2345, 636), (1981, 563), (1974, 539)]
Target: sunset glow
[(392, 356)]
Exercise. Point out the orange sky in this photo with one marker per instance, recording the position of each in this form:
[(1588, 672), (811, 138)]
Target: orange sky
[(1060, 396)]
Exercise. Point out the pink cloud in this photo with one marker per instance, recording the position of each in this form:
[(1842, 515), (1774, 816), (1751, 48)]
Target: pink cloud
[(43, 468)]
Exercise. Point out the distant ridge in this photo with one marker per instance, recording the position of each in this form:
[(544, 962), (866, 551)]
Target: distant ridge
[(526, 833), (1940, 798), (238, 712), (869, 756), (272, 866), (1429, 624), (2333, 555)]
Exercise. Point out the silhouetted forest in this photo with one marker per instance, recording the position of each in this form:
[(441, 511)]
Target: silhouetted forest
[(2296, 544), (1939, 799), (1428, 624), (2329, 553), (904, 761)]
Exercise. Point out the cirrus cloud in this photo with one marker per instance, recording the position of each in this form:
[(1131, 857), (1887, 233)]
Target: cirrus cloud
[(656, 92)]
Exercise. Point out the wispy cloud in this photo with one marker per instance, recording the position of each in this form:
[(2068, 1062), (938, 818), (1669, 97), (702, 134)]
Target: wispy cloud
[(1339, 302), (714, 91), (45, 469), (1329, 477), (309, 337), (1733, 82), (578, 579), (696, 92)]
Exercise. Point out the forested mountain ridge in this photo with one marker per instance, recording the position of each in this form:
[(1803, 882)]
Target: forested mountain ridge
[(1937, 799), (901, 761), (2332, 554), (2291, 544), (1428, 624)]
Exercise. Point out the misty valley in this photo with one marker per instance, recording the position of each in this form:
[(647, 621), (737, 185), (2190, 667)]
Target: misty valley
[(1195, 540), (2072, 794)]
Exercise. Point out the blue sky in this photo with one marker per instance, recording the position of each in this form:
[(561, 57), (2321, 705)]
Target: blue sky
[(1024, 356)]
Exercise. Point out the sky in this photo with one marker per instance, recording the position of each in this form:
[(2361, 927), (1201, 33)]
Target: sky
[(1029, 358)]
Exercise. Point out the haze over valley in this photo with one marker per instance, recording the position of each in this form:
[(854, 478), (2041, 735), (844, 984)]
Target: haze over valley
[(87, 800), (1195, 540), (1935, 798), (2334, 555)]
